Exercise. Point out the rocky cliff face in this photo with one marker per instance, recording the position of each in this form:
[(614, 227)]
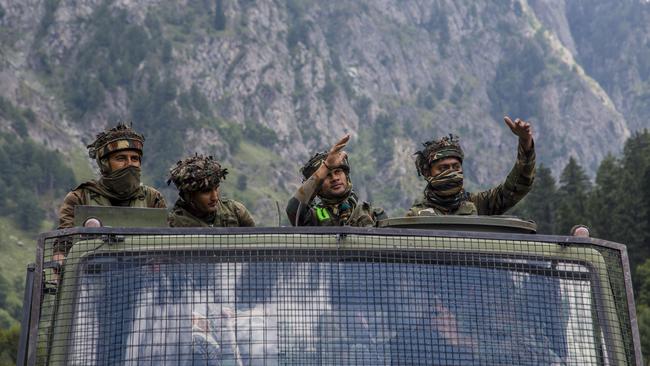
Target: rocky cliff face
[(263, 84)]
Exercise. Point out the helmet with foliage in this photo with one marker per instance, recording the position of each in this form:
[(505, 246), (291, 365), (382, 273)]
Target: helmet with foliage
[(197, 173), (118, 138), (315, 162), (434, 150)]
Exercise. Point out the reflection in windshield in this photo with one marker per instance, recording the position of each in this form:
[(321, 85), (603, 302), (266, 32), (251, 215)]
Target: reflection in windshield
[(303, 313)]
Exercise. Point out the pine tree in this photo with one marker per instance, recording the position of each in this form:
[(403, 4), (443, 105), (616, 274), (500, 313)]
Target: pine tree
[(606, 213), (634, 198), (540, 204), (219, 16), (572, 194)]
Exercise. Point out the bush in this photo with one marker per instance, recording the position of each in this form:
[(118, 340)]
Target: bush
[(9, 339), (233, 134), (260, 134)]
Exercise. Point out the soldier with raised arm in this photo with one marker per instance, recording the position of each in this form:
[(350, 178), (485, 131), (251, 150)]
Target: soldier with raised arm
[(118, 152), (199, 202), (441, 164), (326, 197)]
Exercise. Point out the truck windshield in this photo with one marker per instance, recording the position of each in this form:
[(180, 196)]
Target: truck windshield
[(296, 311)]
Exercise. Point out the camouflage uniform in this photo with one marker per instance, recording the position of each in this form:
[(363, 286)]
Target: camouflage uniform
[(94, 193), (327, 212), (230, 213), (200, 173), (495, 201), (82, 195)]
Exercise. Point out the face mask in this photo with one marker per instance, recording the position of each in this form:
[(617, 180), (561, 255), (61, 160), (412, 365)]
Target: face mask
[(446, 184), (123, 183)]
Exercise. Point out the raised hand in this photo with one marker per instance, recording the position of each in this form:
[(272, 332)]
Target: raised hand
[(522, 129), (336, 156)]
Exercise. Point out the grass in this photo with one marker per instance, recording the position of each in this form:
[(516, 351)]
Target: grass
[(78, 162), (18, 249), (258, 169)]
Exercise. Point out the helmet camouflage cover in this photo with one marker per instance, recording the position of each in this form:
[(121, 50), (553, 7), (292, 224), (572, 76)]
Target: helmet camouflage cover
[(446, 147), (120, 137), (197, 173), (315, 162)]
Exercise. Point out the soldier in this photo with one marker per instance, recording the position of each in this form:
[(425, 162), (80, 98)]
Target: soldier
[(200, 204), (118, 153), (440, 162), (327, 176)]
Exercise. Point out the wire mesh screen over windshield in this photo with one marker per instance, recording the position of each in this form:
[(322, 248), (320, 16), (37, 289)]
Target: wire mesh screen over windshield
[(327, 299)]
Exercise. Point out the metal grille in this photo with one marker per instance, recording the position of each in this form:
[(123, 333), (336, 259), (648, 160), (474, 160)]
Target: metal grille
[(331, 297)]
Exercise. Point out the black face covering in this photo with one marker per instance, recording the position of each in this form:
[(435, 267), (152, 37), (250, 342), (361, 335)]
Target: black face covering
[(445, 190), (121, 185)]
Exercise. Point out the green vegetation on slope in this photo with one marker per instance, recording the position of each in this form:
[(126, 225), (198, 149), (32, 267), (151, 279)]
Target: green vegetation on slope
[(18, 249), (253, 185), (28, 173)]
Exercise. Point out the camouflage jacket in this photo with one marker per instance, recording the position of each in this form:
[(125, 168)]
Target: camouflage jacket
[(148, 197), (363, 214), (495, 201), (229, 214)]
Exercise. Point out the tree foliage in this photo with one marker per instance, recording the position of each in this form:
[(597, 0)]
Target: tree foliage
[(572, 196), (29, 172), (9, 345), (541, 202), (615, 208), (219, 16)]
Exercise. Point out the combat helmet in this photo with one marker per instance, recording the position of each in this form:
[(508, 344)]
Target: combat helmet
[(319, 158), (446, 147), (118, 138), (196, 173)]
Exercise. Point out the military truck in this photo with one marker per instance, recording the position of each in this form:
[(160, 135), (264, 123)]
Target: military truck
[(414, 291)]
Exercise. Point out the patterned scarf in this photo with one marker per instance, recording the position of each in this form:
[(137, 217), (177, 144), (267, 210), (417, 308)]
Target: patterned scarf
[(341, 205), (445, 191)]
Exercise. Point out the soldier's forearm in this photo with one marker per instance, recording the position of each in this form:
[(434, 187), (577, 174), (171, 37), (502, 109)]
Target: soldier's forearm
[(526, 144), (308, 189), (518, 183), (526, 150), (520, 179)]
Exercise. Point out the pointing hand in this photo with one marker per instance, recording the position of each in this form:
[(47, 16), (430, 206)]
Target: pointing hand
[(523, 130)]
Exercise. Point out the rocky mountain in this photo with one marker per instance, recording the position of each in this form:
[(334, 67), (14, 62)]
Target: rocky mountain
[(262, 84)]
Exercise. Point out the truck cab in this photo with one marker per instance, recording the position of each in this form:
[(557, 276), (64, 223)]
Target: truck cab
[(417, 291)]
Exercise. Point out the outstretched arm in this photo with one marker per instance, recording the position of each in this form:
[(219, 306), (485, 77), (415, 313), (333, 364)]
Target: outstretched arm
[(500, 199), (308, 190)]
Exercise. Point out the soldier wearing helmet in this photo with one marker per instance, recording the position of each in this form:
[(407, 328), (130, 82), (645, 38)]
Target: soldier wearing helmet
[(441, 164), (118, 153), (199, 203), (327, 179)]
